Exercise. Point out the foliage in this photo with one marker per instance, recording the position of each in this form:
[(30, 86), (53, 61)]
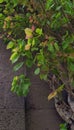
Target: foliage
[(55, 92), (63, 126), (20, 85), (42, 32)]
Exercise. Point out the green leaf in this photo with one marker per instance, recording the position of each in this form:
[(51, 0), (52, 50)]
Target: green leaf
[(65, 45), (39, 31), (14, 57), (71, 66), (1, 15), (43, 76), (49, 4), (29, 62), (10, 45), (33, 42), (1, 1), (56, 46), (37, 71), (20, 85), (26, 87), (51, 48), (18, 66), (58, 8), (15, 2), (63, 126)]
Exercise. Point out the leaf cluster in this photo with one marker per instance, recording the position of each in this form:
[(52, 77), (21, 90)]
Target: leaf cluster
[(42, 32)]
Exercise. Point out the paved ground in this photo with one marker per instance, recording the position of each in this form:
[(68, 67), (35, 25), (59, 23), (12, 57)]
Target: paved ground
[(12, 113), (39, 114)]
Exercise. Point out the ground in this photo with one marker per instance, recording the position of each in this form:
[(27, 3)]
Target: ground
[(34, 112)]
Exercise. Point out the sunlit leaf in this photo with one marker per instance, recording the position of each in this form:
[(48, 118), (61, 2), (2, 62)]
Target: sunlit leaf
[(28, 33), (18, 66), (20, 85), (55, 92), (52, 95), (10, 45), (37, 71), (1, 1), (39, 31), (14, 57)]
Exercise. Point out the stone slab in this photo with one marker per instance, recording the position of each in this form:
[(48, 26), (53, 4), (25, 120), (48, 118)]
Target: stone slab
[(3, 125), (2, 95), (40, 113), (11, 100), (12, 119), (7, 98), (12, 109), (37, 98), (15, 119), (42, 120), (38, 95)]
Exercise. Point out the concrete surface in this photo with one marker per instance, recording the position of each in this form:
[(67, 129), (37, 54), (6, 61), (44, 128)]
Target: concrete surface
[(37, 113), (40, 113), (12, 109)]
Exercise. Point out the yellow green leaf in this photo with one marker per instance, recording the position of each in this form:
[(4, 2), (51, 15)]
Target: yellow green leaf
[(28, 33), (52, 95)]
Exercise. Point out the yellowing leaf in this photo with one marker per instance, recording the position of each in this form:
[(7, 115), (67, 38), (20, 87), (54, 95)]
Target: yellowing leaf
[(9, 18), (27, 47), (52, 95), (60, 88), (5, 25), (28, 33), (44, 44)]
